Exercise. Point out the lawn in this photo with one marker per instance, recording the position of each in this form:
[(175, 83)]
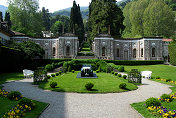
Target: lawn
[(163, 71), (103, 84)]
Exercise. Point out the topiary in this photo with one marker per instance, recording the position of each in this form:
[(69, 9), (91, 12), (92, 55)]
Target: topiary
[(89, 86), (26, 101), (53, 84), (121, 69), (124, 76), (122, 86), (73, 71), (152, 102), (14, 95), (112, 72), (115, 73), (69, 69), (119, 75), (48, 76), (157, 77), (53, 75), (168, 80), (166, 97), (57, 74), (97, 71), (60, 72)]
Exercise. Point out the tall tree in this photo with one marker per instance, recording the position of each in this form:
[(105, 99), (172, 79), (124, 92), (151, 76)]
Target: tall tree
[(7, 19), (57, 28), (104, 14), (76, 22), (25, 17), (1, 17), (46, 18)]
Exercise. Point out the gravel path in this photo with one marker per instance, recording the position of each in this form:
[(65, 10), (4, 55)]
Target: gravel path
[(74, 105)]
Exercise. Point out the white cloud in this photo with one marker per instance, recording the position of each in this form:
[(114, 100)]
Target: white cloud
[(3, 2)]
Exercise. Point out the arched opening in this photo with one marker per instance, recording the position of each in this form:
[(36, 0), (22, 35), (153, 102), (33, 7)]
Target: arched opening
[(54, 51), (68, 51), (142, 52), (153, 52), (134, 53), (103, 51), (118, 52)]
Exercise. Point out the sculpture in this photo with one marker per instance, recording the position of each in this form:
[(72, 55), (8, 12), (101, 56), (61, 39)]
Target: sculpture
[(86, 71)]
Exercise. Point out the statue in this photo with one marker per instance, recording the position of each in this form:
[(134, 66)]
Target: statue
[(86, 71)]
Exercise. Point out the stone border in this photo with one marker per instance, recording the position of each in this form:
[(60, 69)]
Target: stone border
[(137, 111)]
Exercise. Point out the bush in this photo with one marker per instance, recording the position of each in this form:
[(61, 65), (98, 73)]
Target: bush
[(122, 86), (124, 76), (166, 97), (119, 75), (57, 73), (115, 73), (157, 77), (14, 95), (121, 69), (26, 101), (53, 75), (69, 69), (152, 102), (89, 86), (152, 77), (53, 84), (97, 71), (60, 72), (48, 76), (168, 80), (73, 71), (112, 72), (49, 67)]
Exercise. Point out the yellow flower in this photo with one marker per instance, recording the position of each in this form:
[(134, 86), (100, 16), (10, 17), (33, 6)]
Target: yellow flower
[(12, 113), (17, 111), (26, 106)]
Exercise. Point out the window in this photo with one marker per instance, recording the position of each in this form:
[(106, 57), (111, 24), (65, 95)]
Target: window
[(67, 51), (142, 52), (103, 51), (134, 53), (118, 52), (54, 51), (153, 52)]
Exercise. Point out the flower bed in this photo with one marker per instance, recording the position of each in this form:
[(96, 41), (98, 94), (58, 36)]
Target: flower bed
[(165, 80), (3, 93)]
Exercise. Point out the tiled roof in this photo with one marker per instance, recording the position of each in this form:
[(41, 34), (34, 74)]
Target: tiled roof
[(167, 40)]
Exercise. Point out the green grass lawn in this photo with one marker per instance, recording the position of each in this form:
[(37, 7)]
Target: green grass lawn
[(103, 84), (163, 71)]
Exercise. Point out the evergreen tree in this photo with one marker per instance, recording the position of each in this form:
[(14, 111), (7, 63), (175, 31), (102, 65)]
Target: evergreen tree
[(1, 17), (76, 22), (46, 18), (7, 19)]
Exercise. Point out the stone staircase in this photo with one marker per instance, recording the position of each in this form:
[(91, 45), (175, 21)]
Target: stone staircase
[(85, 57)]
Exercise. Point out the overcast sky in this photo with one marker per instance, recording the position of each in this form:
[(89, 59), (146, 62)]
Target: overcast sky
[(55, 5)]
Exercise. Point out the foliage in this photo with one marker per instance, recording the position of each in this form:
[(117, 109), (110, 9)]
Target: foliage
[(60, 72), (109, 68), (46, 18), (89, 86), (49, 67), (115, 73), (53, 75), (53, 84), (14, 95), (166, 97), (124, 76), (121, 69), (112, 72), (26, 101), (73, 71), (105, 14), (7, 19), (25, 17), (57, 73), (134, 76), (172, 52), (157, 77), (119, 75), (69, 68), (122, 86), (152, 102), (97, 71), (48, 76), (168, 80), (40, 75), (65, 66), (57, 28)]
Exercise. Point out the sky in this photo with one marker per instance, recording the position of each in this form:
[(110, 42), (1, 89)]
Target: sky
[(55, 5)]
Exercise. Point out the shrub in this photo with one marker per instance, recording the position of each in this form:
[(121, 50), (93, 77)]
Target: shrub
[(115, 73), (53, 84), (60, 72), (124, 76), (14, 95), (119, 75), (53, 75), (157, 77), (166, 97), (69, 69), (73, 71), (89, 86), (97, 71), (48, 76), (26, 101), (121, 68), (168, 80), (49, 67), (152, 77), (152, 102), (122, 86), (112, 72), (57, 73)]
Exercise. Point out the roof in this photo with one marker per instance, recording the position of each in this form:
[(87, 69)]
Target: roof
[(167, 40), (18, 33)]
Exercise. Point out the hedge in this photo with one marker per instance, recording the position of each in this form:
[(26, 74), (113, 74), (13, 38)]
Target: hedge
[(172, 52), (138, 62)]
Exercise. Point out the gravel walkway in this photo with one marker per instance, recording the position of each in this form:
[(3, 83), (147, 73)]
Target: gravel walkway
[(74, 105)]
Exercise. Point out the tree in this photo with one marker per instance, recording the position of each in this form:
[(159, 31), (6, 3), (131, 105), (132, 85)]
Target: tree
[(25, 17), (57, 28), (103, 15), (46, 18), (158, 19), (76, 22), (7, 19), (1, 17), (172, 52)]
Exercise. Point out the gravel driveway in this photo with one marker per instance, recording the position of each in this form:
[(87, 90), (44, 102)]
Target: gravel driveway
[(75, 105)]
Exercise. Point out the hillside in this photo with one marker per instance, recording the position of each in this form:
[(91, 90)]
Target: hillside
[(3, 9)]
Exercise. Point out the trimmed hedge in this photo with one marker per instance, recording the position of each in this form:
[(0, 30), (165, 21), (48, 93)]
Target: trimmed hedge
[(126, 62), (172, 52)]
